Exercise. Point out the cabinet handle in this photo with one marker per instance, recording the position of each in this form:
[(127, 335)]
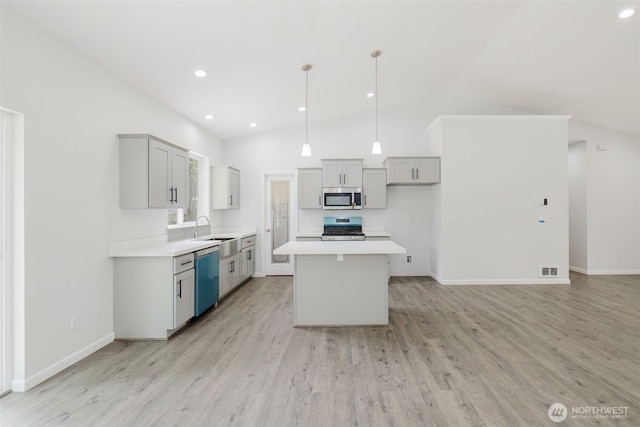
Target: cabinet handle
[(179, 288), (320, 200), (250, 254), (170, 194), (413, 176), (417, 170), (365, 200), (185, 263), (231, 198), (176, 198)]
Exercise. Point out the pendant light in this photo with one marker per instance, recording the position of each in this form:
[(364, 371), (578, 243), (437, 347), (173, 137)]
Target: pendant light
[(376, 148), (306, 147)]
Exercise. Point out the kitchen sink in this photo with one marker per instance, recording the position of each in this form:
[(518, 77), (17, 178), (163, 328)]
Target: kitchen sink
[(229, 246)]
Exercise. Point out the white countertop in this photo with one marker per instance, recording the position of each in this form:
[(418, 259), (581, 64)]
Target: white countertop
[(345, 248), (171, 249)]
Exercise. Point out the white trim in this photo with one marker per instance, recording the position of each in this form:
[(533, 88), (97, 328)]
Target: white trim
[(502, 281), (604, 272), (14, 285), (612, 272), (21, 385), (6, 250), (203, 185)]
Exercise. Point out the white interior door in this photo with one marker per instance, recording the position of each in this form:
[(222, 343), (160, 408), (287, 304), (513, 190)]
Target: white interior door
[(278, 220)]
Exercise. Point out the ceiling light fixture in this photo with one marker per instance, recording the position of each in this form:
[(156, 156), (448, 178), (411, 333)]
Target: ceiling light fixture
[(253, 124), (306, 147), (371, 95), (303, 108), (209, 117), (376, 148), (200, 73), (626, 13)]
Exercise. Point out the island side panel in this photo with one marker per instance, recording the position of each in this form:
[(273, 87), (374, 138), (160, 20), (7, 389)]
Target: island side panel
[(143, 297), (328, 292)]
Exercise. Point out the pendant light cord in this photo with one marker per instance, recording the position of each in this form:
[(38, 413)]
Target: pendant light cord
[(375, 54), (306, 107)]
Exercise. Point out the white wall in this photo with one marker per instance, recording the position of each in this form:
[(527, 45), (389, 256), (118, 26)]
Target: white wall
[(73, 110), (495, 170), (578, 206), (613, 200)]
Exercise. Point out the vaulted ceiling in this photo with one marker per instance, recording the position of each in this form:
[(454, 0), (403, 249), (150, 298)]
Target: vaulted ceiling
[(543, 57)]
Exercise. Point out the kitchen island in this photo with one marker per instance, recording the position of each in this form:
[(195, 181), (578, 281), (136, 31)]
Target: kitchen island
[(340, 283)]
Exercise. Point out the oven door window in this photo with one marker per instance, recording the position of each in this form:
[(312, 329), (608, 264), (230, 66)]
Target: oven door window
[(337, 199)]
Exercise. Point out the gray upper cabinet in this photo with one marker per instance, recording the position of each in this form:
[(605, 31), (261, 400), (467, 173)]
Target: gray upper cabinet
[(374, 188), (342, 173), (412, 170), (225, 187), (153, 173), (310, 188)]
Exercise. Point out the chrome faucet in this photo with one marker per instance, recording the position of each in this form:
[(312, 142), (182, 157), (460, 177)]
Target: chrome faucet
[(195, 234)]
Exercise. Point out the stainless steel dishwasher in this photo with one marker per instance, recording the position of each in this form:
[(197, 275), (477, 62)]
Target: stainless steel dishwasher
[(207, 289)]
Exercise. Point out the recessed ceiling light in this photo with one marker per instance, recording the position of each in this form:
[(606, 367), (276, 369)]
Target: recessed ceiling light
[(200, 73), (371, 95), (626, 13), (302, 108), (253, 124), (209, 117)]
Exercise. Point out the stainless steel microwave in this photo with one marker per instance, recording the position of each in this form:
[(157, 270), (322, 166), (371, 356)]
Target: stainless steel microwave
[(342, 198)]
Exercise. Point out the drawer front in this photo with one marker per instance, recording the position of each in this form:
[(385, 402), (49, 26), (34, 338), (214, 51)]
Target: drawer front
[(183, 263), (248, 241)]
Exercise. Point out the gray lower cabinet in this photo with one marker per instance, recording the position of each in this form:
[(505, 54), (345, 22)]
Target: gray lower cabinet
[(248, 245), (230, 269), (183, 294), (248, 262), (308, 239), (152, 296)]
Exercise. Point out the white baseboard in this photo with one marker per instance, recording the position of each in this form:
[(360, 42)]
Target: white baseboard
[(612, 272), (604, 272), (502, 281), (21, 385)]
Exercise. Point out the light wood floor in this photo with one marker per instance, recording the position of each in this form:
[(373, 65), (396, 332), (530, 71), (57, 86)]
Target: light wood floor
[(451, 356)]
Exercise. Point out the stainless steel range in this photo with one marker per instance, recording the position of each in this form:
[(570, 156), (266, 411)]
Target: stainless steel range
[(342, 228)]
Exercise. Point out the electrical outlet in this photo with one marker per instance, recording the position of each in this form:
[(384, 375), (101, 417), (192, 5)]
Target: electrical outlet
[(409, 258), (75, 322)]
